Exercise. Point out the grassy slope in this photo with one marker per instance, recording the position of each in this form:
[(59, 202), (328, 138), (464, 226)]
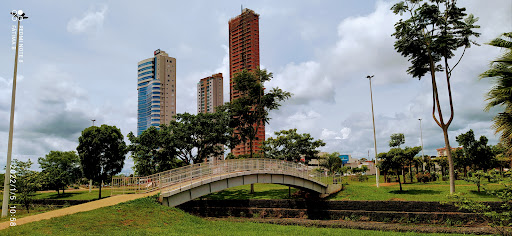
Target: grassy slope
[(145, 217)]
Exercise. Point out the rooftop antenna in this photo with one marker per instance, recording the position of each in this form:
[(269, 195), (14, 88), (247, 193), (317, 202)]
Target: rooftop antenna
[(241, 8)]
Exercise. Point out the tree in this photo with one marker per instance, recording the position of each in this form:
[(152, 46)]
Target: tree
[(396, 140), (409, 154), (430, 35), (499, 95), (26, 183), (393, 161), (197, 137), (461, 161), (332, 163), (442, 161), (251, 109), (477, 151), (290, 146), (150, 154), (102, 152), (59, 169)]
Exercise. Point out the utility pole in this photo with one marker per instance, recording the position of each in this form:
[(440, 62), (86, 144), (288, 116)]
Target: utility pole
[(17, 16), (374, 136)]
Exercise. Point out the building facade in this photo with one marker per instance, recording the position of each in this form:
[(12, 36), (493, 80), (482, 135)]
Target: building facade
[(209, 96), (210, 93), (244, 53), (156, 88)]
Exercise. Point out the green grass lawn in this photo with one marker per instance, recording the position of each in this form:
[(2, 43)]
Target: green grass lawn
[(435, 191), (355, 190), (147, 217), (74, 195)]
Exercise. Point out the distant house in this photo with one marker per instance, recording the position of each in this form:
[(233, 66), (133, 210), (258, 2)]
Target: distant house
[(441, 152)]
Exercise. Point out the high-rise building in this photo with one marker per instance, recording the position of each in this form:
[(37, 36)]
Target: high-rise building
[(244, 53), (209, 93), (156, 85), (209, 96)]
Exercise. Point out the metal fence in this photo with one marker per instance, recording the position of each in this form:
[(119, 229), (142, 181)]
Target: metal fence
[(204, 171)]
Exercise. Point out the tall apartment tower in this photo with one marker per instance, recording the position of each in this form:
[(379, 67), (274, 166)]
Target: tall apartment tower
[(209, 93), (156, 86), (244, 53), (209, 96)]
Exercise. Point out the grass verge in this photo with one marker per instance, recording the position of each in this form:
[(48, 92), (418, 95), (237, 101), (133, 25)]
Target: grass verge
[(145, 216)]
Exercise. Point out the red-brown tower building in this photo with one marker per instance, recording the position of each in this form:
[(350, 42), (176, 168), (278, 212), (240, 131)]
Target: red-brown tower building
[(244, 53)]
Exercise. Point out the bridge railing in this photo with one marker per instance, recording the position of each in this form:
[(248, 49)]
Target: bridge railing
[(204, 171)]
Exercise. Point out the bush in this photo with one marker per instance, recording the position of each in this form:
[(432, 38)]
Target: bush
[(362, 178), (424, 177)]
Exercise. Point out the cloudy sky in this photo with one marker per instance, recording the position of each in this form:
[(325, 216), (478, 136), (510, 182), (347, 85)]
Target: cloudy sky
[(80, 63)]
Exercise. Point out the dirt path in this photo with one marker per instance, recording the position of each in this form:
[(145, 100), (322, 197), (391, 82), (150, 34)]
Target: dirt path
[(110, 201)]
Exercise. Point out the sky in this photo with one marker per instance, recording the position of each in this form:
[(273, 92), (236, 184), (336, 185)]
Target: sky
[(80, 63)]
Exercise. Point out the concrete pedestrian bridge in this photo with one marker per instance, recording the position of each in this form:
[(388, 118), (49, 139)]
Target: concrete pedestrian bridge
[(183, 184)]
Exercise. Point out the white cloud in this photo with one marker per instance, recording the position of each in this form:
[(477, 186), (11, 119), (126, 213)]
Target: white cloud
[(91, 22)]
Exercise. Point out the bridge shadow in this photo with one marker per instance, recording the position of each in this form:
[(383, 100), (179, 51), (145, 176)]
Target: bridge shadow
[(244, 194), (62, 195), (415, 191)]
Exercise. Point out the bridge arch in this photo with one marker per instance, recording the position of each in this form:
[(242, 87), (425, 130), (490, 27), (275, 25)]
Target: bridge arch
[(183, 184)]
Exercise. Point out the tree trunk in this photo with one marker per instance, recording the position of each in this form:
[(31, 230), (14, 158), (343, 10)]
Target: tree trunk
[(410, 170), (398, 178), (63, 188), (99, 196), (450, 160), (252, 188)]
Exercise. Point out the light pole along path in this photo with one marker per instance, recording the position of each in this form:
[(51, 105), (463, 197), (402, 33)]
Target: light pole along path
[(374, 137), (18, 16)]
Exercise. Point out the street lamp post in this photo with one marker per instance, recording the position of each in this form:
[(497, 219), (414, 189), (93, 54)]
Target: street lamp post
[(374, 137), (18, 16), (421, 135)]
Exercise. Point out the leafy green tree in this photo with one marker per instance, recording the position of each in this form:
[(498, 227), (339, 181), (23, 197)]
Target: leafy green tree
[(26, 183), (397, 140), (197, 137), (442, 161), (477, 151), (251, 108), (503, 159), (150, 154), (409, 154), (59, 169), (418, 163), (393, 161), (461, 161), (499, 95), (290, 146), (332, 163), (429, 34), (102, 153)]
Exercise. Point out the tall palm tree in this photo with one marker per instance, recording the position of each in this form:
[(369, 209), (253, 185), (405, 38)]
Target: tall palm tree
[(501, 93)]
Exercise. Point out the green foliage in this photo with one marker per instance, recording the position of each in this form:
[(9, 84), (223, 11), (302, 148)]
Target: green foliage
[(291, 146), (197, 137), (25, 184), (477, 152), (102, 152), (333, 163), (252, 107), (476, 178), (500, 72), (150, 154), (500, 220), (396, 159), (428, 35), (59, 169), (396, 140)]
